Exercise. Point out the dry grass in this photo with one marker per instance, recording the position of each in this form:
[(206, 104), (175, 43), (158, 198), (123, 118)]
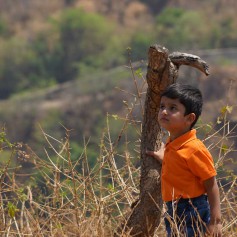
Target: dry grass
[(75, 199)]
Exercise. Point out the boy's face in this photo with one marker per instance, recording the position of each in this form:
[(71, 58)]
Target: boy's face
[(171, 117)]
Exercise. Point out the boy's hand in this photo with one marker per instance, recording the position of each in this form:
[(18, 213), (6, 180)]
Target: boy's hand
[(158, 155), (214, 230), (214, 227)]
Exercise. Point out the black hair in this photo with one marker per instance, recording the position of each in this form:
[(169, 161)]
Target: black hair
[(189, 96)]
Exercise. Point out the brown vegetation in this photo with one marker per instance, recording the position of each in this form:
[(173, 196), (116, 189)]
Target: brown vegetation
[(74, 199)]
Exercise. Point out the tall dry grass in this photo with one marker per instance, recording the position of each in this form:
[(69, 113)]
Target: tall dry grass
[(75, 199)]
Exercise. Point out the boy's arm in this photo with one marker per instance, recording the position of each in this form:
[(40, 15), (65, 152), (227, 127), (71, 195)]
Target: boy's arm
[(214, 227), (158, 155)]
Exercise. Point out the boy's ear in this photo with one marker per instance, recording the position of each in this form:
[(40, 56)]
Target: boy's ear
[(191, 117)]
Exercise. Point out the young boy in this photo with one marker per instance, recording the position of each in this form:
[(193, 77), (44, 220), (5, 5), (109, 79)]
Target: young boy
[(188, 182)]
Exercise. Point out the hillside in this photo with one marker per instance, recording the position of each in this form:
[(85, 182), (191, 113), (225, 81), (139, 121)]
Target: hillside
[(75, 104), (100, 206), (82, 105), (28, 17), (71, 106)]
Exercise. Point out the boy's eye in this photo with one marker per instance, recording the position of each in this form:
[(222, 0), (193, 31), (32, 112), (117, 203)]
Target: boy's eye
[(172, 108)]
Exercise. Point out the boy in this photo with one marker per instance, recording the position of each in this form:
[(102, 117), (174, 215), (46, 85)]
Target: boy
[(188, 172)]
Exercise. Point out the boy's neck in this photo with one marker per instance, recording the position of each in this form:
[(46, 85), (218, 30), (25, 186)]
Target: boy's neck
[(173, 136)]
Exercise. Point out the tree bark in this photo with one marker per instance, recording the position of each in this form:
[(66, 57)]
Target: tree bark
[(161, 72)]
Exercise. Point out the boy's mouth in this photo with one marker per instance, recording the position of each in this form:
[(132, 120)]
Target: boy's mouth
[(163, 119)]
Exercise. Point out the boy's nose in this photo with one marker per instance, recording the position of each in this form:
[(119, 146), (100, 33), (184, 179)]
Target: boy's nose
[(163, 111)]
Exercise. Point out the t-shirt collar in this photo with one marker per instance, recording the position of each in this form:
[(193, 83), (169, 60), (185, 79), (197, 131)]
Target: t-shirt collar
[(180, 141)]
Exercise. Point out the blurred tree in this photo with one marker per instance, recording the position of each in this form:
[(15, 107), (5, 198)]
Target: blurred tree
[(156, 6), (221, 33), (13, 56), (68, 2), (140, 41), (228, 37), (79, 43), (4, 30), (83, 38), (50, 122), (177, 28), (46, 59), (21, 67)]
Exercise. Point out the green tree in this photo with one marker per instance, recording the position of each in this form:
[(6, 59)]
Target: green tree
[(4, 31), (13, 56), (225, 33), (140, 42), (177, 28), (83, 38), (156, 6), (21, 67)]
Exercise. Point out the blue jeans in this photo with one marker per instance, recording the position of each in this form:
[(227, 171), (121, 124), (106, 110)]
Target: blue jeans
[(188, 217)]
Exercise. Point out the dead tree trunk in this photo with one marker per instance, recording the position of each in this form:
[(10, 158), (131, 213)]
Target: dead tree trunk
[(162, 71)]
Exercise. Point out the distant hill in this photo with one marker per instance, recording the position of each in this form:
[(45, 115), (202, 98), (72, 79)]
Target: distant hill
[(28, 16), (82, 105)]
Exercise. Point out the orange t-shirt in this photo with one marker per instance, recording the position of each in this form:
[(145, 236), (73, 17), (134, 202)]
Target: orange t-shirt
[(186, 164)]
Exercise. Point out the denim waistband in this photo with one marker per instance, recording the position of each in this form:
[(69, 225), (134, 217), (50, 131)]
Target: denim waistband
[(187, 200)]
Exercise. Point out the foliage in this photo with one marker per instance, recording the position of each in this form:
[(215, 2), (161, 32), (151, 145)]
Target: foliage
[(175, 29), (4, 31), (139, 43), (69, 196), (156, 6), (72, 43), (222, 34), (21, 68), (83, 39), (48, 122), (179, 28)]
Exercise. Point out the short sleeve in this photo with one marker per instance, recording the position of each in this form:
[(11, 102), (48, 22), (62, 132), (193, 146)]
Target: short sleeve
[(201, 164)]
